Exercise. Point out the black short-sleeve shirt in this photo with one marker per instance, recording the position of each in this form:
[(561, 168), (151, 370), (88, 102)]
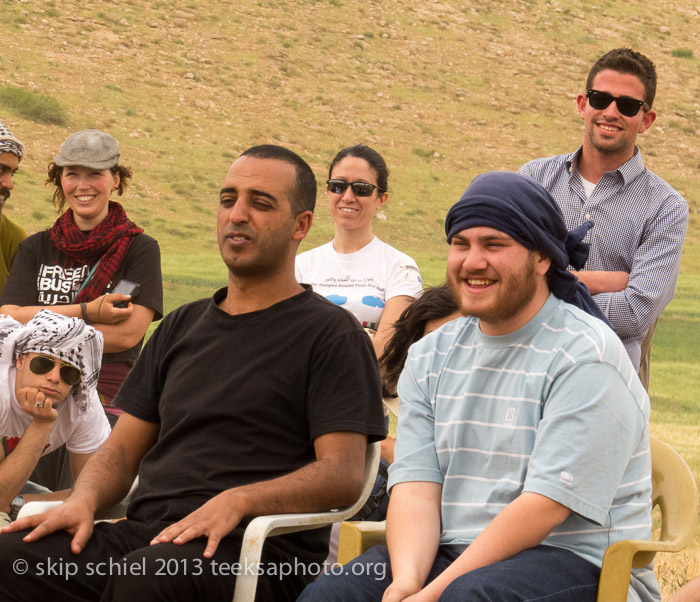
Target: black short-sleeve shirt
[(240, 398)]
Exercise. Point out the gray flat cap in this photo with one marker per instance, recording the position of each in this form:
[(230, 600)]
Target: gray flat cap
[(89, 148)]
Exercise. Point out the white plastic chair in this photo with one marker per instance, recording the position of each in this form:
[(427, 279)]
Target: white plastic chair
[(117, 511), (261, 526), (279, 524)]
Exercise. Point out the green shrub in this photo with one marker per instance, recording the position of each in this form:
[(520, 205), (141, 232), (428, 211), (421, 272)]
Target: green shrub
[(37, 107), (682, 53)]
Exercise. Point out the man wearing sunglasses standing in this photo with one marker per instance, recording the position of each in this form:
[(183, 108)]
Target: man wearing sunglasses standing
[(640, 221), (48, 373)]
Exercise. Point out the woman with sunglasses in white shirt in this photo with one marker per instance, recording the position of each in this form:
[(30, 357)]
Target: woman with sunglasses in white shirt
[(356, 270)]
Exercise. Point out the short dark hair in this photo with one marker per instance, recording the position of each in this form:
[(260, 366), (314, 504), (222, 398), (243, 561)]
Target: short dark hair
[(373, 158), (625, 60), (435, 302), (303, 195), (59, 199)]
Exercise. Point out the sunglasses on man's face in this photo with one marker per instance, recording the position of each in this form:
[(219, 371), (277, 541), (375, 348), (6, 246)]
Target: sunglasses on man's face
[(42, 364), (627, 106), (358, 188)]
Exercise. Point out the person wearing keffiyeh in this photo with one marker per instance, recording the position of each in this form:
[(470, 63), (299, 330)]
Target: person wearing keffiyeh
[(11, 233), (48, 375), (74, 266)]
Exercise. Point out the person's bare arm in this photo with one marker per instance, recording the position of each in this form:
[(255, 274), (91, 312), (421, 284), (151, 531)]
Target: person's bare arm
[(104, 481), (126, 334), (99, 311), (77, 463), (392, 310), (523, 524), (412, 550), (690, 592), (16, 468), (334, 479), (599, 281)]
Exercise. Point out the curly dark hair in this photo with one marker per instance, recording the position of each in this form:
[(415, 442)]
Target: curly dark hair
[(435, 302)]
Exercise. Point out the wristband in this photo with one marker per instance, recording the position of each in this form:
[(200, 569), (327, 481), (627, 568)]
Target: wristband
[(83, 310)]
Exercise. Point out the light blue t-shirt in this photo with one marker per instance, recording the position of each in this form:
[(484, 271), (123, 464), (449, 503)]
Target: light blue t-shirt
[(554, 408)]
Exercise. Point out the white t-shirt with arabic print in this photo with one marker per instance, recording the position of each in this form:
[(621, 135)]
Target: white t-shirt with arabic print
[(361, 282)]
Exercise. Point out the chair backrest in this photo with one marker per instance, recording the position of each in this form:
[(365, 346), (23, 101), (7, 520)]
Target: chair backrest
[(675, 493)]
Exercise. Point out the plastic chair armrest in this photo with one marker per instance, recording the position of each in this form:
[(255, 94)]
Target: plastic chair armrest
[(356, 537), (619, 560), (37, 508)]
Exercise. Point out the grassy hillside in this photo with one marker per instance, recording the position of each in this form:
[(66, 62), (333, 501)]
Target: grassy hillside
[(443, 89)]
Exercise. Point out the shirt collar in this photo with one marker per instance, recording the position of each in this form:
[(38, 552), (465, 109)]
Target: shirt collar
[(628, 171)]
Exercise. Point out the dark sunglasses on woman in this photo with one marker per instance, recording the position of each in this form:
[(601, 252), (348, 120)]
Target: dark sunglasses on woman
[(627, 106), (43, 364), (358, 188)]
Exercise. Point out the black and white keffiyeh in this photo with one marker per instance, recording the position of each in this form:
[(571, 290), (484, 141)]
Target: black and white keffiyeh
[(10, 144), (67, 339)]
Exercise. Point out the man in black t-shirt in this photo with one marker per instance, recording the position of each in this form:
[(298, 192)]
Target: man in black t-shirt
[(257, 401)]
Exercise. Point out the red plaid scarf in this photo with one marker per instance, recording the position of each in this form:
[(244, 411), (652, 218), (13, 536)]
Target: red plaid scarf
[(108, 242)]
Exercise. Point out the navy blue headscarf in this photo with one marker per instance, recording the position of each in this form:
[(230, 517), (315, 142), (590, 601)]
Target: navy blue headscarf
[(523, 209)]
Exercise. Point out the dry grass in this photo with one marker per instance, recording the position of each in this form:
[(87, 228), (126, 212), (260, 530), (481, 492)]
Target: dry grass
[(445, 89)]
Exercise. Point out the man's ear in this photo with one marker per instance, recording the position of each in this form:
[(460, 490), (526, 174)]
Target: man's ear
[(581, 102), (649, 118), (20, 361), (542, 263), (302, 225)]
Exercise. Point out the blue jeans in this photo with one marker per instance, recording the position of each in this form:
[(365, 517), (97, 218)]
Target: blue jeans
[(542, 574)]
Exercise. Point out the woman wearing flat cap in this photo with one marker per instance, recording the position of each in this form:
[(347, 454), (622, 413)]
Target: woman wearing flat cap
[(93, 245)]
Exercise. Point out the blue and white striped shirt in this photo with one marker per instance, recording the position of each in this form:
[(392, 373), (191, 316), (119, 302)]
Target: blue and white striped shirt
[(640, 225), (554, 408)]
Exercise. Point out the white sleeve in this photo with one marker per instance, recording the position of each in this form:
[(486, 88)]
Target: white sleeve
[(90, 431)]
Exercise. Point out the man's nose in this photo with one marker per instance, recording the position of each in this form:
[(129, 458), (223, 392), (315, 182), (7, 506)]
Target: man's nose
[(238, 212), (6, 181), (54, 375), (474, 260)]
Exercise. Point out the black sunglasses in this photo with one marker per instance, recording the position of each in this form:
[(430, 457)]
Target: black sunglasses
[(358, 188), (42, 364), (628, 107)]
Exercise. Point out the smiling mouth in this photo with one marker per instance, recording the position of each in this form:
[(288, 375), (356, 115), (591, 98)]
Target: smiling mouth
[(609, 128), (85, 198), (347, 210), (479, 282)]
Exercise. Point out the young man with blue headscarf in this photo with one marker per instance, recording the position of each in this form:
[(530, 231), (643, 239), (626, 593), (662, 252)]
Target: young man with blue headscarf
[(523, 438)]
